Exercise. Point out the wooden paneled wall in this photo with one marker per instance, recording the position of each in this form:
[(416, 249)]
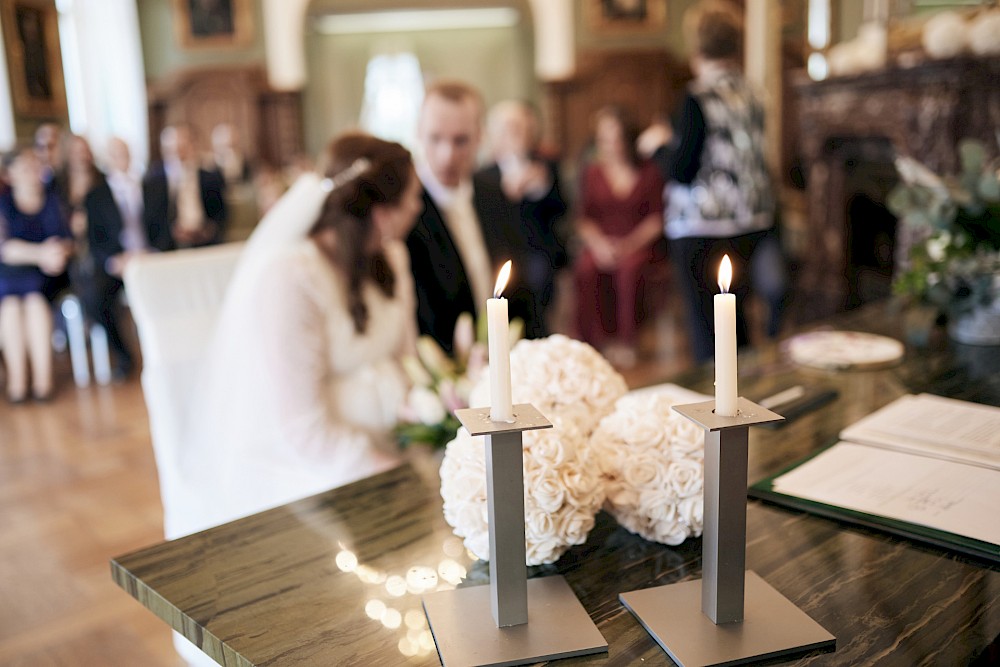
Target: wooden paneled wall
[(269, 122), (647, 83)]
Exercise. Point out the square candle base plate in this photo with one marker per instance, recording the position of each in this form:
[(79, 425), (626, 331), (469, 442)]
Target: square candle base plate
[(558, 626), (772, 625)]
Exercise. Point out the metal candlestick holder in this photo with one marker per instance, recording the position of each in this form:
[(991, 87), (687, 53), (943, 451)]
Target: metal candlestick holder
[(533, 620), (742, 618)]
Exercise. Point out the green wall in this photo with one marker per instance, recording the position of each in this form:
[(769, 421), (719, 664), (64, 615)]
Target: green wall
[(162, 54), (500, 61)]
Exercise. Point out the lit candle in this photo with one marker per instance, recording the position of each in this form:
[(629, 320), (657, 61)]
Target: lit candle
[(501, 405), (725, 343)]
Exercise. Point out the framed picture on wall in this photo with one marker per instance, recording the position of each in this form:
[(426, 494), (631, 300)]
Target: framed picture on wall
[(626, 16), (213, 23), (34, 60)]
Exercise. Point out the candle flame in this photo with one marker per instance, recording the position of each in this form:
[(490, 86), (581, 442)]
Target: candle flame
[(502, 279), (725, 274)]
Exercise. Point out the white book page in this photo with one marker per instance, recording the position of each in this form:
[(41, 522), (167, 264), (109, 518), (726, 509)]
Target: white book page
[(954, 497), (934, 426)]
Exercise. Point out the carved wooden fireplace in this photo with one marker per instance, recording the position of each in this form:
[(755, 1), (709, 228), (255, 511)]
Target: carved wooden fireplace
[(850, 130)]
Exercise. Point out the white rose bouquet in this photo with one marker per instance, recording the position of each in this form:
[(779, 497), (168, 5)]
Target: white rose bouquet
[(573, 386), (562, 491), (562, 378), (652, 468)]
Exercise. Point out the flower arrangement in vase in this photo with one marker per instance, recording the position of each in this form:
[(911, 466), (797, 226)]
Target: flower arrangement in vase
[(948, 243)]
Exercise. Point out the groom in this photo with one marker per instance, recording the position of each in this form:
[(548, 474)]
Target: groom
[(457, 245)]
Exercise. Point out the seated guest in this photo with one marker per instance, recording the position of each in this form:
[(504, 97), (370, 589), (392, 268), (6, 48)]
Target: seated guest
[(302, 384), (78, 178), (35, 247), (126, 189), (184, 203), (49, 150), (530, 209), (98, 223), (620, 219), (228, 156), (92, 214), (457, 246), (268, 186)]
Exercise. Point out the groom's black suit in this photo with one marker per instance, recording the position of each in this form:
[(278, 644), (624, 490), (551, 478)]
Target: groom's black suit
[(442, 284)]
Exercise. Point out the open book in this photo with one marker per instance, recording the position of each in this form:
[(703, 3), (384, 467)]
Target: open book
[(923, 466)]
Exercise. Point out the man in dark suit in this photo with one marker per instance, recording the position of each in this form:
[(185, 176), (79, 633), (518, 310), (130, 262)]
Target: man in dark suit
[(114, 234), (458, 243), (184, 203), (525, 196)]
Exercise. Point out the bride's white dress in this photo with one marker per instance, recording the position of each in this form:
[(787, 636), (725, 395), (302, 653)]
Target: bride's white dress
[(293, 401)]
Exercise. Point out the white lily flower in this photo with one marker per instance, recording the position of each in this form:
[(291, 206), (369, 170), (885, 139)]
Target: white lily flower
[(427, 406)]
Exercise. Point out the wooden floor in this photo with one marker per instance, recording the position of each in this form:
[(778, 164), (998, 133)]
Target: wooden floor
[(78, 486)]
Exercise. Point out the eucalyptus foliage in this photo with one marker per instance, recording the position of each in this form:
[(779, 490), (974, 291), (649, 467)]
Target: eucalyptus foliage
[(949, 235)]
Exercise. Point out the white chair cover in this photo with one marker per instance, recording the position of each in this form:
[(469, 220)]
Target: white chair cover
[(175, 299)]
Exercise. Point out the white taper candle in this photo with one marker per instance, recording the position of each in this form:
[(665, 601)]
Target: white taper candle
[(726, 388), (501, 405)]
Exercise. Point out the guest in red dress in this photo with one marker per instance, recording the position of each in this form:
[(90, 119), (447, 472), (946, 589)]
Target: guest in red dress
[(621, 210)]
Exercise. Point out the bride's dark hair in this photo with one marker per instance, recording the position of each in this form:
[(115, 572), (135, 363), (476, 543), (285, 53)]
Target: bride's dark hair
[(365, 172)]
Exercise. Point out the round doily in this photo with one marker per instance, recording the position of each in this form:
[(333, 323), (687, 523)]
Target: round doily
[(842, 350)]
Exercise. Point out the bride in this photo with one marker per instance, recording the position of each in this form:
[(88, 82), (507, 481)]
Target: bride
[(302, 384)]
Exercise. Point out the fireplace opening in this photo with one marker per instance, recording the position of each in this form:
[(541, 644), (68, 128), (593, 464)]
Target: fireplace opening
[(871, 236), (869, 174)]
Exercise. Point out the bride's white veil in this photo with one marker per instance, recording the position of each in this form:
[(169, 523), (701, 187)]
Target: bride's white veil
[(284, 226), (229, 383), (228, 378)]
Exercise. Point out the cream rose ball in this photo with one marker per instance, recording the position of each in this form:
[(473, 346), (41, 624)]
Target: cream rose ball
[(562, 491), (652, 466), (562, 378)]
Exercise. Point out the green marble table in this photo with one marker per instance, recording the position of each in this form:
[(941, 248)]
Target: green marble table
[(336, 579)]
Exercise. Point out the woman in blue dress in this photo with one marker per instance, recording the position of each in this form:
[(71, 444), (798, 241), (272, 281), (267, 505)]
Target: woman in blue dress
[(35, 246)]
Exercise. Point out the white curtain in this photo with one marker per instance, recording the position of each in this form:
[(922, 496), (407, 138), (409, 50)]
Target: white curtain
[(7, 134), (394, 91), (105, 77)]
